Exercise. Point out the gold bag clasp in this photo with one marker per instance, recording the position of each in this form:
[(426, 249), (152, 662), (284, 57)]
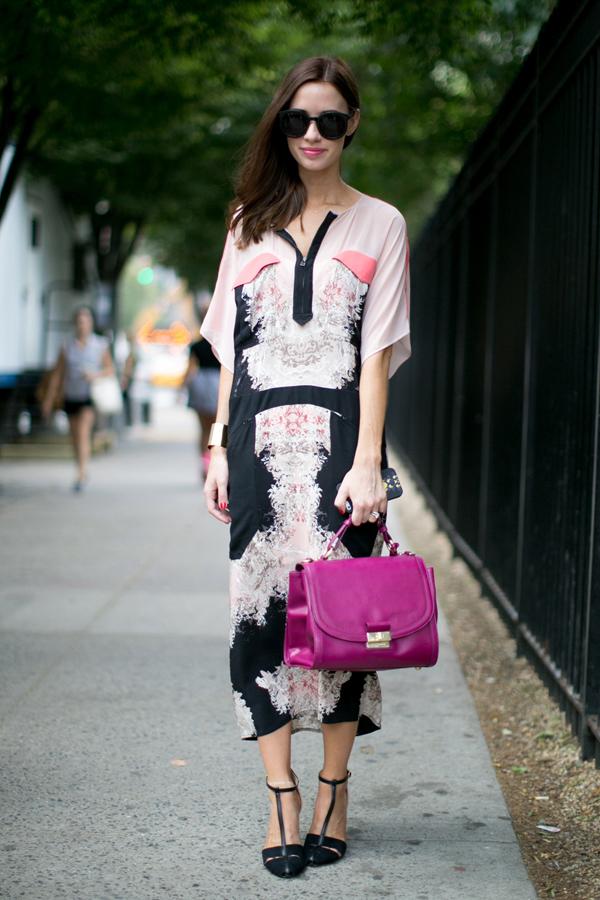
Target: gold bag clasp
[(378, 640)]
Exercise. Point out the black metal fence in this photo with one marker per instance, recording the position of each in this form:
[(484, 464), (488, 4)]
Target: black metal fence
[(497, 412)]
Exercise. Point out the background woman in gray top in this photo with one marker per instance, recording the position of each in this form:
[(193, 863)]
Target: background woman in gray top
[(82, 358)]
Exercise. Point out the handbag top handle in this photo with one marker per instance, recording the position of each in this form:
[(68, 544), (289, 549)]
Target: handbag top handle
[(335, 538)]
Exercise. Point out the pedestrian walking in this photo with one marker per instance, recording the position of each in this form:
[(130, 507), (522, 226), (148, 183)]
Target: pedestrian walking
[(126, 363), (309, 319), (82, 358), (202, 381)]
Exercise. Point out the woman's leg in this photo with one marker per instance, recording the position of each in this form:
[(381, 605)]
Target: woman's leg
[(205, 423), (81, 424), (87, 423), (276, 750), (75, 430), (338, 741)]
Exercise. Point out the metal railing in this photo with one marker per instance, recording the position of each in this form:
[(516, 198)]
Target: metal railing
[(497, 412)]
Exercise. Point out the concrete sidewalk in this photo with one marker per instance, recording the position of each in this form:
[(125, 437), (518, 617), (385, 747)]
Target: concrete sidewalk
[(123, 772)]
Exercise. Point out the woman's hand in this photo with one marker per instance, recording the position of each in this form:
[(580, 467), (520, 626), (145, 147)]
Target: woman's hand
[(364, 486), (215, 485)]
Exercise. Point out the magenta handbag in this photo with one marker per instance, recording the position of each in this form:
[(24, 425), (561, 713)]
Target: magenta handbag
[(361, 613)]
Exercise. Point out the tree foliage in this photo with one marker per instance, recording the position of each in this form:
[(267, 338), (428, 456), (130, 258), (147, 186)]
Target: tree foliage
[(147, 105)]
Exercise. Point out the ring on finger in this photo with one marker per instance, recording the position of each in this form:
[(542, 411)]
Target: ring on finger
[(374, 515)]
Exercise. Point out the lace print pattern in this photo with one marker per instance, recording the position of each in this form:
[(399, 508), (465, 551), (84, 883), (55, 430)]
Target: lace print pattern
[(287, 353), (293, 442), (378, 545), (303, 692), (243, 715), (370, 700)]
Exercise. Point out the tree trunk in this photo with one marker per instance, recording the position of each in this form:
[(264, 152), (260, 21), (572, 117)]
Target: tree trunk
[(7, 119), (18, 158), (113, 250)]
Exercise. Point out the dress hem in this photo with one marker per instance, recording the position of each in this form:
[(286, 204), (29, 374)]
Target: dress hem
[(366, 725)]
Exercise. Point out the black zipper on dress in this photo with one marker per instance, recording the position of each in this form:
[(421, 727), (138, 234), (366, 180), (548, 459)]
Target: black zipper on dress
[(302, 305), (302, 265)]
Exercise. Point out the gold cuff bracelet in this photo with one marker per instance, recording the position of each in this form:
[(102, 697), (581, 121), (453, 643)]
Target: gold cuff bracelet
[(218, 435)]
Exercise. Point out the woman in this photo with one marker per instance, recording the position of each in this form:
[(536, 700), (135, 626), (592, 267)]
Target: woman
[(309, 319), (83, 358), (202, 381)]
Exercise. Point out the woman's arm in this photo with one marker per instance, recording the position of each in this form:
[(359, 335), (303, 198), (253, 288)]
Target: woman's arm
[(363, 484), (107, 364), (107, 367), (54, 383), (217, 477), (127, 373)]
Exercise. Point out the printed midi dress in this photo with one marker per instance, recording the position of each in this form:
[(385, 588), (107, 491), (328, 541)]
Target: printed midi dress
[(295, 331)]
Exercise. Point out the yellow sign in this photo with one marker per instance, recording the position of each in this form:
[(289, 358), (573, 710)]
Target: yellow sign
[(176, 334)]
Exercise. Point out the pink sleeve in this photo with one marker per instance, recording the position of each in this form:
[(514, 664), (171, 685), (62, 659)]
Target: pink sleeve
[(219, 320), (386, 320)]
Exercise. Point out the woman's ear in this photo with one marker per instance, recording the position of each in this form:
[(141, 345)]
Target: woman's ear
[(353, 122)]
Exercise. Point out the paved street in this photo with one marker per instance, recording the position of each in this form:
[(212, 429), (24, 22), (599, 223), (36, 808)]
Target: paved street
[(123, 772)]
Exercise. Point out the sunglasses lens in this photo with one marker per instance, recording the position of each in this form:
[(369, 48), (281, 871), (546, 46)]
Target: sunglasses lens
[(294, 122), (332, 125)]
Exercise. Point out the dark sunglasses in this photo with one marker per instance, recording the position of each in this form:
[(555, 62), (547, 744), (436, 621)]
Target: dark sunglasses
[(331, 123)]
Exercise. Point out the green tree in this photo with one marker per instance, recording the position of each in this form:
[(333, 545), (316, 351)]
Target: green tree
[(102, 98), (138, 112), (430, 76)]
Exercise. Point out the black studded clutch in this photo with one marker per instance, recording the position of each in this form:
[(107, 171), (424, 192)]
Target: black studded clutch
[(393, 488)]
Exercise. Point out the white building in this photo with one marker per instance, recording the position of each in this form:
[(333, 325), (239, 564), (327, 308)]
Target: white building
[(37, 239)]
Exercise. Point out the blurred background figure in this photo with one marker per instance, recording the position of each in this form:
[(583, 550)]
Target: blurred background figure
[(82, 358), (125, 360), (202, 381)]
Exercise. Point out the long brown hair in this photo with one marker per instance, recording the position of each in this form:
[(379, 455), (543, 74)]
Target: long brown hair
[(269, 191)]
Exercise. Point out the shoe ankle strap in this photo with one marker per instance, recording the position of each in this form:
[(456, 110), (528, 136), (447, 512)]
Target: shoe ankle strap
[(283, 790), (334, 780)]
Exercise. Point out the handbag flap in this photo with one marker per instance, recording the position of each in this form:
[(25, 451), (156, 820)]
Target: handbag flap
[(349, 597)]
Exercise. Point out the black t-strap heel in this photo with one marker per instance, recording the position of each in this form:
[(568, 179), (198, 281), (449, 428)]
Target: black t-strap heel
[(287, 860), (319, 848)]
